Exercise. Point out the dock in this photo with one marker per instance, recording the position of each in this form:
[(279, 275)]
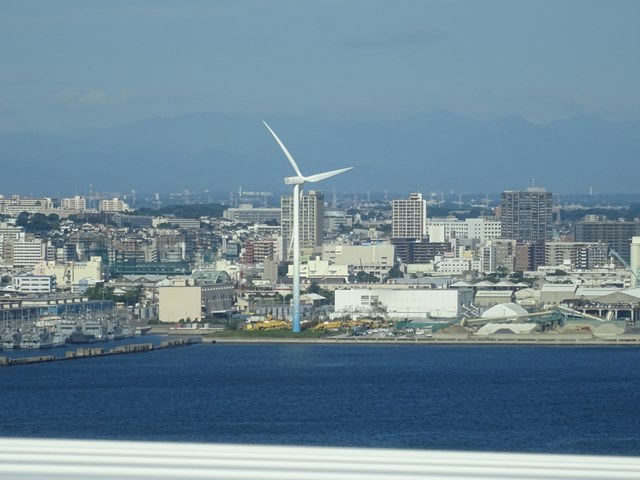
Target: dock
[(93, 352)]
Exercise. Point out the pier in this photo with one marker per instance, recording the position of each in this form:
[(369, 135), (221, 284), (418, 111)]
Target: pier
[(92, 352)]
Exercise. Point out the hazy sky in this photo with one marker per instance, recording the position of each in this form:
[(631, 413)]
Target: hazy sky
[(68, 64)]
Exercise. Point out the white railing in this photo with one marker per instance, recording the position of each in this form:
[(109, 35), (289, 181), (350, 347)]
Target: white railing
[(88, 459)]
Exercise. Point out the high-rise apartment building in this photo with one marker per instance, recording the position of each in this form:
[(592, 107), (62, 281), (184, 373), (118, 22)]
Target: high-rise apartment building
[(616, 234), (581, 255), (527, 215), (311, 222), (409, 217)]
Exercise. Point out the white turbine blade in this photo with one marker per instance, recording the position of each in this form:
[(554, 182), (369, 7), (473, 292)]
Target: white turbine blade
[(284, 149), (290, 249), (291, 240), (321, 176)]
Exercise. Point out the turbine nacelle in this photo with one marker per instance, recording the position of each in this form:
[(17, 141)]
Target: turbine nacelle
[(294, 180)]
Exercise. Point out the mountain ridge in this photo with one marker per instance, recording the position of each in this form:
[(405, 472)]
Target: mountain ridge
[(429, 151)]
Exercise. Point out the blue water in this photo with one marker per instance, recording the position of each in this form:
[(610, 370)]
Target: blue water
[(500, 398)]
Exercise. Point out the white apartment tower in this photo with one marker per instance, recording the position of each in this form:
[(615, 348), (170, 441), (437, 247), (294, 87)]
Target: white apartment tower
[(409, 217), (311, 221)]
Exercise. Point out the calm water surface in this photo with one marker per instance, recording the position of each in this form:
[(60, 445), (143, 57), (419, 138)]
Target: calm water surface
[(504, 398)]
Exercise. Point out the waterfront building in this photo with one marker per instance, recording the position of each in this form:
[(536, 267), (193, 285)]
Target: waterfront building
[(401, 303), (195, 299)]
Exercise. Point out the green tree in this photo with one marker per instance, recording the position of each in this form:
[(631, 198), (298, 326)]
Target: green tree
[(364, 277), (395, 272)]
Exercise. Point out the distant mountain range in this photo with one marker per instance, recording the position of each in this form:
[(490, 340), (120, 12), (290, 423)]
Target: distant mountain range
[(438, 151)]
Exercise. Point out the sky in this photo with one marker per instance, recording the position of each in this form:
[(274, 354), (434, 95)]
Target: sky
[(73, 64)]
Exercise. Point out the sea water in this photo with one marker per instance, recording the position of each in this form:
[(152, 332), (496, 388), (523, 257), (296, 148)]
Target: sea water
[(498, 398)]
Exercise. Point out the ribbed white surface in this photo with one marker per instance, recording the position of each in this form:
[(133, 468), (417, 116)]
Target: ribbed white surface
[(71, 459)]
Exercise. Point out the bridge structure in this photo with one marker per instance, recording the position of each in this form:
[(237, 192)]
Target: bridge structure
[(22, 459)]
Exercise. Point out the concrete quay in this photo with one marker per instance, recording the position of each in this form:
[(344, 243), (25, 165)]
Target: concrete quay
[(92, 352)]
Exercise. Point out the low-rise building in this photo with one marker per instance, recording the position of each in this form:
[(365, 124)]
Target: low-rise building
[(34, 283), (246, 213), (321, 270), (113, 205), (195, 299), (375, 258), (69, 274), (403, 302)]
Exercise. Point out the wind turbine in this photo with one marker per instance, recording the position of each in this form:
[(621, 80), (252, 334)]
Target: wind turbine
[(298, 181)]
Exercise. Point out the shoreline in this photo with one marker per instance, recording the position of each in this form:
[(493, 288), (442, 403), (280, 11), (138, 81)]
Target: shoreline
[(563, 339), (538, 340)]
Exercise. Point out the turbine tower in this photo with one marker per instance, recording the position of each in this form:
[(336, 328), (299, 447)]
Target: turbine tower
[(298, 181)]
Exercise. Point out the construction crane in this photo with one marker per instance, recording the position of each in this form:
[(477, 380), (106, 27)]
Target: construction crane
[(613, 253)]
